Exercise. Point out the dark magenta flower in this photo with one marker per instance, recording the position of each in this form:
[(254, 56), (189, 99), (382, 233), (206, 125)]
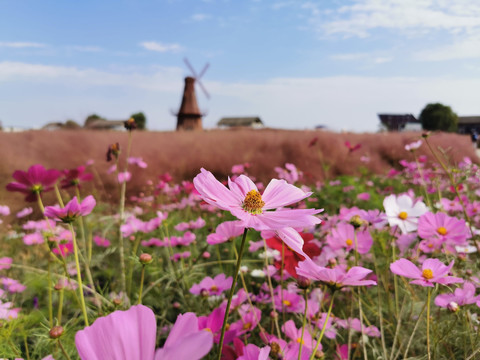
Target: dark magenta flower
[(74, 177), (72, 210), (34, 181)]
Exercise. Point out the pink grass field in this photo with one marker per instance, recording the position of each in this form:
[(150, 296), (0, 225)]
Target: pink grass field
[(182, 154)]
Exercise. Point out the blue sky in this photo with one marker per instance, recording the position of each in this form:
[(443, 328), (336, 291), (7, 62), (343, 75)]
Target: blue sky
[(296, 64)]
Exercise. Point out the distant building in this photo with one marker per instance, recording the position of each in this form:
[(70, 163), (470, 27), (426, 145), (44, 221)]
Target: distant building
[(189, 116), (400, 122), (468, 124), (251, 122), (102, 124)]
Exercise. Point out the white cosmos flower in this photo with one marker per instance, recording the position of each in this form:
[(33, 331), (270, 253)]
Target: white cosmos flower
[(402, 212)]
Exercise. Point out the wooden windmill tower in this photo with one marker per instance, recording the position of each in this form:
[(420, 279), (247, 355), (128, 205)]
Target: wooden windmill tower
[(189, 116)]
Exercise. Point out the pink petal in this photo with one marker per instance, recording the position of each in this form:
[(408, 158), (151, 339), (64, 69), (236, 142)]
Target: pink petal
[(404, 267), (279, 193)]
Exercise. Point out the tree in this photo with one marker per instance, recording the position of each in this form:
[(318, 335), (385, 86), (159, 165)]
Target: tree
[(91, 118), (439, 117), (140, 120)]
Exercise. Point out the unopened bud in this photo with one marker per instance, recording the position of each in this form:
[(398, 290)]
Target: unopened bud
[(468, 272), (204, 292), (426, 134), (56, 332), (453, 306), (273, 314), (145, 258), (130, 124), (303, 282), (332, 262), (176, 305), (58, 286)]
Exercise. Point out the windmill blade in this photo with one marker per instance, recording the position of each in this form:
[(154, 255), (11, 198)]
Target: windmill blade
[(203, 89), (185, 60), (204, 70)]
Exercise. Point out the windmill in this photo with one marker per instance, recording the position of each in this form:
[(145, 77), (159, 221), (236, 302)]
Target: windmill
[(189, 116)]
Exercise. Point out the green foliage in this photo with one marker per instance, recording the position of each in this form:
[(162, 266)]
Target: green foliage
[(439, 117), (140, 120)]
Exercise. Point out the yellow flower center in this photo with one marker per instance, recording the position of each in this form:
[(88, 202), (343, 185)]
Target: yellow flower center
[(214, 288), (441, 230), (287, 303), (427, 274), (300, 341), (253, 202), (37, 188), (247, 326), (403, 215), (349, 242)]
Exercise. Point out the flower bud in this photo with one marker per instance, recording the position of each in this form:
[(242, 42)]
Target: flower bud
[(303, 282), (453, 306), (130, 124), (176, 305), (273, 314), (332, 262), (56, 332), (145, 258), (356, 221)]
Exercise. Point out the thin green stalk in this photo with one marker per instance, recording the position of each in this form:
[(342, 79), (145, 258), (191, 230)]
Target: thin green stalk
[(60, 306), (304, 323), (428, 323), (26, 347), (324, 327), (63, 349), (232, 289), (361, 323), (413, 332), (79, 275), (142, 277), (59, 196), (49, 290), (272, 296), (131, 265)]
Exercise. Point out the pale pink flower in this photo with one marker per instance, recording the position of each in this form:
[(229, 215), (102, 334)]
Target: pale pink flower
[(209, 286), (226, 231), (260, 212), (344, 236), (72, 210), (4, 210), (432, 271), (443, 227), (124, 176), (137, 161), (24, 212), (5, 262), (414, 145), (336, 277)]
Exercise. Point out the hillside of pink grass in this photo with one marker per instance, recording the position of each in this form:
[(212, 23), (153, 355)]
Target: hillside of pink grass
[(182, 154)]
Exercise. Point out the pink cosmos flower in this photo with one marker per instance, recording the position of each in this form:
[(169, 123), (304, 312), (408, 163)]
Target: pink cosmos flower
[(253, 352), (7, 312), (461, 296), (414, 145), (432, 271), (260, 212), (209, 286), (185, 341), (24, 212), (226, 231), (344, 236), (402, 212), (250, 317), (72, 210), (74, 177), (124, 176), (365, 196), (4, 210), (34, 181), (335, 277), (12, 285), (213, 324), (101, 241), (137, 161), (122, 335), (5, 262), (290, 173), (443, 227)]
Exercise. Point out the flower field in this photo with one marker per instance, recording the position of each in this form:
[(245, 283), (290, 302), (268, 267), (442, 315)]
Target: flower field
[(361, 253)]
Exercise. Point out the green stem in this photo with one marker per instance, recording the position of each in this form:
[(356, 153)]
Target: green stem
[(142, 277), (272, 296), (428, 323), (63, 349), (79, 275), (60, 306), (232, 289), (49, 289), (414, 330), (26, 347), (324, 327), (305, 297)]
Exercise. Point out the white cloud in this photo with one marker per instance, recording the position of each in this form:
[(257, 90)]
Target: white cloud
[(161, 47), (462, 48), (21, 45), (349, 56), (411, 16), (200, 17)]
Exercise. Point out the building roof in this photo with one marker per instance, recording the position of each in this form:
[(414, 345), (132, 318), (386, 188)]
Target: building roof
[(397, 121), (105, 124), (468, 120), (240, 121)]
